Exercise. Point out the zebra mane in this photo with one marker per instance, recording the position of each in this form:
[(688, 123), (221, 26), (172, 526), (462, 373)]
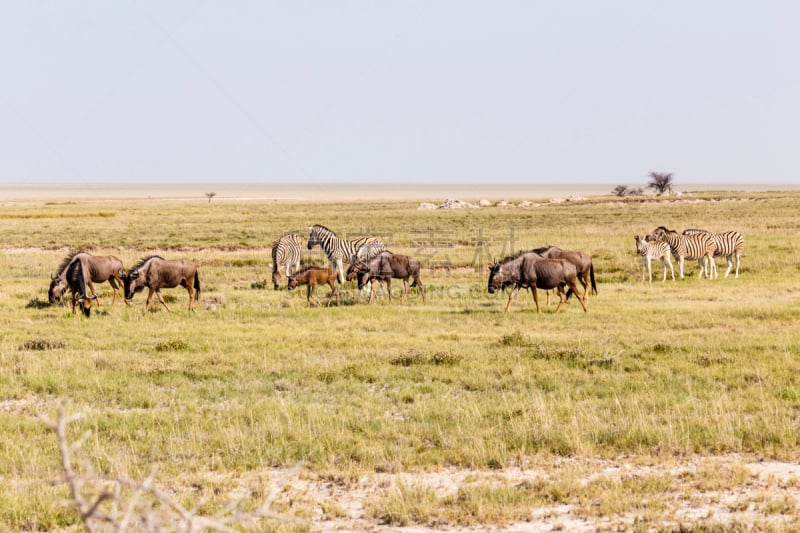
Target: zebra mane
[(288, 236), (67, 260), (143, 261), (321, 227), (664, 229)]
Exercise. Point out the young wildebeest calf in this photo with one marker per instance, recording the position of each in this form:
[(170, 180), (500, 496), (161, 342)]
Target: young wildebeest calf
[(157, 273), (101, 268), (384, 267), (313, 276), (530, 270)]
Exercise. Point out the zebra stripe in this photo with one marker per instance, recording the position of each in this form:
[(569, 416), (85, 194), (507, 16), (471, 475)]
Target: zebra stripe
[(651, 249), (728, 244), (285, 255), (700, 247), (341, 250)]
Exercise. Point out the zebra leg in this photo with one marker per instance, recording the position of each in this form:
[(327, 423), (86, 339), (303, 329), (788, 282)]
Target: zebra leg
[(340, 268), (737, 264), (730, 265)]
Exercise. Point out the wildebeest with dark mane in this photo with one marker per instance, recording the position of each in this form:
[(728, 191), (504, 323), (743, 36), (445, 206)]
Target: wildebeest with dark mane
[(530, 270), (77, 278), (156, 273), (313, 276), (582, 262), (100, 268), (383, 267)]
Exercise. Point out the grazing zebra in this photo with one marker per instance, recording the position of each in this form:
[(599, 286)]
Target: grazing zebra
[(651, 249), (339, 250), (729, 244), (286, 255), (700, 247)]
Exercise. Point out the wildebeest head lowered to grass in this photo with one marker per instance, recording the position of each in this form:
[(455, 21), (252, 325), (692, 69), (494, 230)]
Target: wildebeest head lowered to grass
[(385, 266), (100, 268), (77, 278), (531, 271), (157, 273)]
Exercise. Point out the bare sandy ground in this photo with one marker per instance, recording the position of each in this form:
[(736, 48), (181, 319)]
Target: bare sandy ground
[(767, 499), (328, 191)]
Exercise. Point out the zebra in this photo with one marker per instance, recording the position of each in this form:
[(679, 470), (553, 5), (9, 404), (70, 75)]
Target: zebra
[(729, 244), (339, 250), (700, 247), (286, 255), (651, 249)]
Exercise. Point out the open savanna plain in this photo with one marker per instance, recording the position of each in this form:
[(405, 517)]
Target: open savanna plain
[(666, 406)]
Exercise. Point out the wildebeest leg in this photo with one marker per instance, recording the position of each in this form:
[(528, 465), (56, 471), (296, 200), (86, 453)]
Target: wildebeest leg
[(405, 289), (575, 290), (389, 287), (90, 285), (114, 285), (420, 288), (310, 293), (160, 299), (511, 297), (332, 284), (536, 297)]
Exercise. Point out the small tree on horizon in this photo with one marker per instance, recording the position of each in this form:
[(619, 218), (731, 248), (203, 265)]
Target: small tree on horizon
[(661, 182), (210, 196)]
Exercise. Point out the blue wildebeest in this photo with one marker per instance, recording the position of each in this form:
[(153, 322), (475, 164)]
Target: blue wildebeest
[(382, 268), (77, 278), (583, 266), (100, 268), (156, 273), (530, 270)]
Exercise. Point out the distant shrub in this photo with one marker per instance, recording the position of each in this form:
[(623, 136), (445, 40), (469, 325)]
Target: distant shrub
[(174, 345), (43, 344), (515, 339)]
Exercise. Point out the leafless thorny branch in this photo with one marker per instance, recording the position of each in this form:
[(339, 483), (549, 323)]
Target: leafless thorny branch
[(112, 503)]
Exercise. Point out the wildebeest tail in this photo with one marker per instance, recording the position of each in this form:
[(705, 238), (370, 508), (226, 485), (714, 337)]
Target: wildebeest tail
[(591, 276), (196, 286)]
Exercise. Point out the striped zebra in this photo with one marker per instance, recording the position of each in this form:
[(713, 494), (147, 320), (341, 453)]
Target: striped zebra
[(285, 255), (729, 244), (341, 250), (650, 249), (700, 247)]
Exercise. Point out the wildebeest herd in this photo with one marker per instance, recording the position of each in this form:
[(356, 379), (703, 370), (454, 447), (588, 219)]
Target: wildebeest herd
[(369, 261)]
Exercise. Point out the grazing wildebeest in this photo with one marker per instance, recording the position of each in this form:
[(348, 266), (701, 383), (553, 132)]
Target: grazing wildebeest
[(156, 273), (532, 271), (77, 278), (313, 276), (582, 262), (285, 254), (384, 267), (100, 268)]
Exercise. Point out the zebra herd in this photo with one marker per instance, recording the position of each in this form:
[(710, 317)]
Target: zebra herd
[(286, 251), (699, 244)]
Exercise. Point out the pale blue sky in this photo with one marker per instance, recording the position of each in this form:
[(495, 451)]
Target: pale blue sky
[(396, 91)]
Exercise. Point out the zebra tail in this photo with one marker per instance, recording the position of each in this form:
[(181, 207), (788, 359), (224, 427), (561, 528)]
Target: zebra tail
[(591, 276)]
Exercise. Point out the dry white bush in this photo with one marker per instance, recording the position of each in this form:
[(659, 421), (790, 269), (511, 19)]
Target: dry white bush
[(111, 503)]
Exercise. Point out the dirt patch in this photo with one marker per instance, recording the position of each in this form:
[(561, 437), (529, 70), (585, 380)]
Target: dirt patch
[(766, 496)]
